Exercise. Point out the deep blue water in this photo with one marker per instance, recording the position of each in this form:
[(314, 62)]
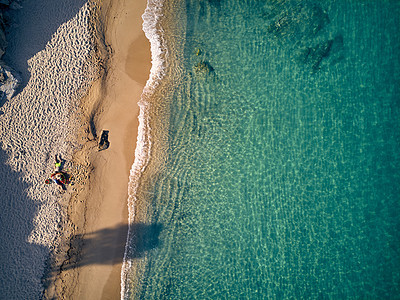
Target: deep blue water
[(275, 161)]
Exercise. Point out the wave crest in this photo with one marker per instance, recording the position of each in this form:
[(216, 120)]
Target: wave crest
[(154, 33)]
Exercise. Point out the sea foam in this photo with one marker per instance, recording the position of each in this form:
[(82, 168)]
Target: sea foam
[(154, 34)]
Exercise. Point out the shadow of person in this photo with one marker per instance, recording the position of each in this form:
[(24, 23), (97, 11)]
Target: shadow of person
[(60, 176), (144, 237), (34, 30), (107, 247)]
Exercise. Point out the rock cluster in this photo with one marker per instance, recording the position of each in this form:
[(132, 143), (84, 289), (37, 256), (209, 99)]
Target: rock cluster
[(9, 80), (8, 83), (203, 68), (303, 26)]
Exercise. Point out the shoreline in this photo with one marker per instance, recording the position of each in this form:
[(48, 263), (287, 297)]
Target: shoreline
[(98, 214)]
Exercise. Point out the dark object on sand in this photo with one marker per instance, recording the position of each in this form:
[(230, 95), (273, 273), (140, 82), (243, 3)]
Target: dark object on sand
[(62, 179), (59, 177), (104, 143)]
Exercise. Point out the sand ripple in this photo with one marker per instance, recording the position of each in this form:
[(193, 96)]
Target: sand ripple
[(37, 122)]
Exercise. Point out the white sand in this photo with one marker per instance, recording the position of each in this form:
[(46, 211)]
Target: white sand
[(86, 227), (35, 125)]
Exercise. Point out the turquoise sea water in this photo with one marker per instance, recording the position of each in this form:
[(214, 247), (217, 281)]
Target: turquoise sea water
[(274, 170)]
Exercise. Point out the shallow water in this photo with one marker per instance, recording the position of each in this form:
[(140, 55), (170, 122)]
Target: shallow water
[(276, 171)]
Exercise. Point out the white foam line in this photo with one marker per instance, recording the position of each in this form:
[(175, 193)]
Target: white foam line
[(151, 17)]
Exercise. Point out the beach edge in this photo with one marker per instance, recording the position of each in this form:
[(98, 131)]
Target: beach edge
[(97, 209)]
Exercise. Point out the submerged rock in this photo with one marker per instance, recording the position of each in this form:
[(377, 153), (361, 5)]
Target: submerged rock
[(302, 28), (203, 68), (329, 51), (293, 22), (314, 55)]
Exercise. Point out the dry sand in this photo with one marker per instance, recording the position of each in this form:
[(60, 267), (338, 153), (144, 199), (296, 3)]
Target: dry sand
[(50, 44), (98, 211)]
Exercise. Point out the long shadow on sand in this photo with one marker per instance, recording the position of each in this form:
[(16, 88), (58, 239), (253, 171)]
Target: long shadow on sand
[(34, 27), (107, 247), (21, 263)]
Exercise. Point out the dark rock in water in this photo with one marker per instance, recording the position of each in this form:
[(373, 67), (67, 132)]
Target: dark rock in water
[(336, 53), (104, 143), (298, 26), (316, 54), (293, 22), (203, 68)]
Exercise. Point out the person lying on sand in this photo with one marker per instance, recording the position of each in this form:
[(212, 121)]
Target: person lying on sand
[(59, 177)]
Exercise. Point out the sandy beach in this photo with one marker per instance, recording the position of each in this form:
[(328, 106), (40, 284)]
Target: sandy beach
[(50, 46), (216, 149), (83, 68), (98, 209)]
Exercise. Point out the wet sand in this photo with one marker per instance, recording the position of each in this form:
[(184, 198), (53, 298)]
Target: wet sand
[(97, 211)]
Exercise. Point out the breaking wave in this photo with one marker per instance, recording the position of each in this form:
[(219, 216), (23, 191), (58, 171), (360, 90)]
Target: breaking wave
[(154, 34)]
